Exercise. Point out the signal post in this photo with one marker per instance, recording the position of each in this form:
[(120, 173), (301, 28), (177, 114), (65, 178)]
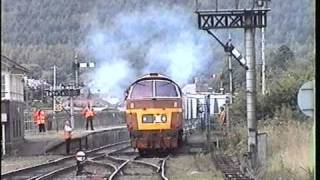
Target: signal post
[(249, 20)]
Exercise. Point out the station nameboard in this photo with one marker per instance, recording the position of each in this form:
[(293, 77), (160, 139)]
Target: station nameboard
[(63, 92)]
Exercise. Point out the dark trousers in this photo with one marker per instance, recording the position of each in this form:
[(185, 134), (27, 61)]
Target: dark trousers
[(89, 120), (42, 128), (68, 141)]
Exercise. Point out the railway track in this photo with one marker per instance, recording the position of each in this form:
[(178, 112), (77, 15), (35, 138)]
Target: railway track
[(114, 161), (135, 166), (230, 167), (50, 169), (120, 165)]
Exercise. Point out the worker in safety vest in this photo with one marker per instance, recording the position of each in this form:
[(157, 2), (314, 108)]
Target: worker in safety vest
[(40, 118), (34, 115), (89, 114), (222, 116), (67, 135)]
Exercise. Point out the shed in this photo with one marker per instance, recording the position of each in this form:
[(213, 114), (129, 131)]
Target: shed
[(12, 104)]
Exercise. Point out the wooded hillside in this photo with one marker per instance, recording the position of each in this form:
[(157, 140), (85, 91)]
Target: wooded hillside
[(41, 33)]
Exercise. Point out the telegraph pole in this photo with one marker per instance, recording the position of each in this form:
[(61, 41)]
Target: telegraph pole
[(251, 89), (75, 68), (230, 71), (207, 101), (54, 97), (263, 69)]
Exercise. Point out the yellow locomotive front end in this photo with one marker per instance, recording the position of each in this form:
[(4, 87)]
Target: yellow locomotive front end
[(154, 113)]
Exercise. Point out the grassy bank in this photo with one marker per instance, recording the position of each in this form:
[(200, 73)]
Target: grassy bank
[(289, 150)]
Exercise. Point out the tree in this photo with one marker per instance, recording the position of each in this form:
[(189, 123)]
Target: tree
[(280, 59)]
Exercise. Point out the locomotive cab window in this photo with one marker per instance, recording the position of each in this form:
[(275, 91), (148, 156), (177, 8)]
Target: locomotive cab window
[(165, 89), (142, 89)]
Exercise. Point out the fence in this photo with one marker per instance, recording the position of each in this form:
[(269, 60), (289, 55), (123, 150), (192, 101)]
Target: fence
[(102, 119)]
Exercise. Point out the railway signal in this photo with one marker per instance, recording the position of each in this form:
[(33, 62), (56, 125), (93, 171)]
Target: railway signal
[(249, 20), (86, 65), (228, 47), (76, 65)]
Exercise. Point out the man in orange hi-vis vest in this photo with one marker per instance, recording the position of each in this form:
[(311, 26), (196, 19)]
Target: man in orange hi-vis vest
[(40, 118), (89, 114)]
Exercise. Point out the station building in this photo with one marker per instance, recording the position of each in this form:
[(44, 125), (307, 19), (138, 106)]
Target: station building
[(12, 104)]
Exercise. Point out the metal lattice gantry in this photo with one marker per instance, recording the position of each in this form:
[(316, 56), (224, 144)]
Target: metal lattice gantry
[(212, 19)]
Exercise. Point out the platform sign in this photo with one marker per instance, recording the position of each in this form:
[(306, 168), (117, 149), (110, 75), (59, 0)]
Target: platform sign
[(58, 108), (4, 117), (306, 98)]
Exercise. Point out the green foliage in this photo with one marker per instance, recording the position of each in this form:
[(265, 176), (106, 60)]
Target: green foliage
[(279, 60), (283, 84), (283, 89), (47, 32)]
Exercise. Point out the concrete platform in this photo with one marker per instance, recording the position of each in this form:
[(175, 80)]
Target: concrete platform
[(199, 137), (197, 142), (52, 142)]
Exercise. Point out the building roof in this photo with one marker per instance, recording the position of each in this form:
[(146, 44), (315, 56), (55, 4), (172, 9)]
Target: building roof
[(13, 66), (189, 89)]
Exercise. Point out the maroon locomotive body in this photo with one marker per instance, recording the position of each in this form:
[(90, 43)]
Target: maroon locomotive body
[(154, 113)]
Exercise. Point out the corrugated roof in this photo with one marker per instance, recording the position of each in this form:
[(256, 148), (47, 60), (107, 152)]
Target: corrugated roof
[(12, 64)]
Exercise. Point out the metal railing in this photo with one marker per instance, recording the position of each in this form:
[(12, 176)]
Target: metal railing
[(103, 119)]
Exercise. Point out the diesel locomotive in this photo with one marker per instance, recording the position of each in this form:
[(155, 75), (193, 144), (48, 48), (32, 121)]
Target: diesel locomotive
[(154, 113)]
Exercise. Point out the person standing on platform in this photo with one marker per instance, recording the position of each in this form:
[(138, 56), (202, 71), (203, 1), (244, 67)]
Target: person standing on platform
[(89, 114), (67, 135), (222, 116), (40, 119)]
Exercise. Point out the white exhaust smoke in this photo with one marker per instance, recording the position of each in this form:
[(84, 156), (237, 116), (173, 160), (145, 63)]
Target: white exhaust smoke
[(164, 40)]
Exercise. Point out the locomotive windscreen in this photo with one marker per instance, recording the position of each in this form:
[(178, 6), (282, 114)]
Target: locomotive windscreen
[(154, 88), (165, 89), (142, 89)]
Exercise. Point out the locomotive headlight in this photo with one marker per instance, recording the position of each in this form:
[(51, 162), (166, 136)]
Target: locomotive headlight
[(163, 118), (175, 104), (144, 118), (131, 105)]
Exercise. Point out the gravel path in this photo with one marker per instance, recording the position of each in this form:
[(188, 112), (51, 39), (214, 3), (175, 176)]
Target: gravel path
[(185, 167), (17, 162)]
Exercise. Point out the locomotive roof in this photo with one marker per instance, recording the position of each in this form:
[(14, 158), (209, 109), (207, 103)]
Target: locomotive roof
[(154, 76)]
